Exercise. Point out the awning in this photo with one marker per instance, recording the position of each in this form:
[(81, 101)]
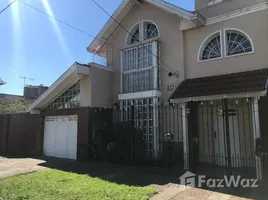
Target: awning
[(242, 84)]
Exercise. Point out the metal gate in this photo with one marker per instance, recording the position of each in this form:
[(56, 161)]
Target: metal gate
[(223, 138)]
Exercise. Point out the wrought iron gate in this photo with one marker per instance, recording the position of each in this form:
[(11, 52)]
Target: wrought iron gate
[(223, 139)]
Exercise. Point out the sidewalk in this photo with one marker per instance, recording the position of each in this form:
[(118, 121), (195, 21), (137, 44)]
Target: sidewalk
[(167, 185), (178, 192)]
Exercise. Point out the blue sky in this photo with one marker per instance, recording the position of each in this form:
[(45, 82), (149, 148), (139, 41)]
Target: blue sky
[(41, 48)]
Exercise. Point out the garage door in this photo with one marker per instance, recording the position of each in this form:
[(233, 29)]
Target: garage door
[(60, 136)]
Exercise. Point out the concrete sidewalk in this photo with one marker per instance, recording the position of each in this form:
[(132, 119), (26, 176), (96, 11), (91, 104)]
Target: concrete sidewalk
[(168, 186), (16, 166), (178, 192)]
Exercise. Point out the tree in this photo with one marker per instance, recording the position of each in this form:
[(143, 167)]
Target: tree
[(9, 105)]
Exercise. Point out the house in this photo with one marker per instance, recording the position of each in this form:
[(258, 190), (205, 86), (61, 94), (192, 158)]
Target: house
[(30, 92), (209, 65)]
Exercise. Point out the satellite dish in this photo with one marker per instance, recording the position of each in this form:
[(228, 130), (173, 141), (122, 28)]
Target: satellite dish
[(2, 82)]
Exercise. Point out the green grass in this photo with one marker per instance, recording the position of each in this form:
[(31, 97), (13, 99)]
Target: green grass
[(57, 185)]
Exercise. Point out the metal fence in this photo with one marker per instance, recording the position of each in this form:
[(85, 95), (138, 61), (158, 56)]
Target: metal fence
[(220, 135), (135, 135)]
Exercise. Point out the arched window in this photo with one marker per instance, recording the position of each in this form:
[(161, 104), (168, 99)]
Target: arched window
[(211, 47), (237, 43), (134, 35), (150, 31)]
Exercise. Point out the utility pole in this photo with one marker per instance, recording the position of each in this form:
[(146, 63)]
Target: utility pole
[(26, 78)]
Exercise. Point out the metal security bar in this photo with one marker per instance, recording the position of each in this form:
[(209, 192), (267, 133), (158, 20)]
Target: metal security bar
[(148, 123), (140, 69)]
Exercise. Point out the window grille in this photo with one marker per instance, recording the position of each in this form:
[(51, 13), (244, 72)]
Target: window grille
[(237, 43), (146, 120), (212, 48), (134, 36), (69, 99), (140, 68), (150, 31)]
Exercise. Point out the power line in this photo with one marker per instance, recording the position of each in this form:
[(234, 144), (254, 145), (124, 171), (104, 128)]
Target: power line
[(61, 21), (174, 73), (7, 6), (75, 28)]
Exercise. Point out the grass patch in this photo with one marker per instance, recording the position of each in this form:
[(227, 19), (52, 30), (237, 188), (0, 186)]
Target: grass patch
[(55, 184)]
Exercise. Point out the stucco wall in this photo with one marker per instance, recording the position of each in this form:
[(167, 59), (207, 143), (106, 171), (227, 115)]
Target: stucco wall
[(171, 44), (254, 24), (223, 7), (101, 84), (85, 91)]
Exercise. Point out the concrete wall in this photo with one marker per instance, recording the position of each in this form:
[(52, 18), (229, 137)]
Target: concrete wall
[(171, 45), (254, 24)]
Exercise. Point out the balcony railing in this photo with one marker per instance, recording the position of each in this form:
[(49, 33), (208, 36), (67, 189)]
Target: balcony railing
[(99, 60)]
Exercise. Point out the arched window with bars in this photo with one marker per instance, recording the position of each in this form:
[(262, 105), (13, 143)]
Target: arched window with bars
[(237, 42), (211, 47)]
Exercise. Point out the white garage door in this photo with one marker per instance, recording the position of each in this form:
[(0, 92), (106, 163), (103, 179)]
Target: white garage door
[(60, 136)]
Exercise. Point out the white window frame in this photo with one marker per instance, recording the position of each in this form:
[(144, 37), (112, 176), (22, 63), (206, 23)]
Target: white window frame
[(130, 31), (141, 33), (242, 33), (155, 66), (202, 46), (126, 105), (143, 29)]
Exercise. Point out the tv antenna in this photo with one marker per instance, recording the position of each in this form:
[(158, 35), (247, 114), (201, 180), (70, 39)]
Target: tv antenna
[(26, 78), (2, 82)]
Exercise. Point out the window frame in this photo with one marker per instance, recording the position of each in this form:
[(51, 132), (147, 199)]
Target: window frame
[(131, 31), (242, 33), (143, 29), (155, 67), (202, 47), (141, 34)]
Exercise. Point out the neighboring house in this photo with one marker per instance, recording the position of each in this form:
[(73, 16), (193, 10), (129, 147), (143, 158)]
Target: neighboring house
[(212, 62), (30, 92)]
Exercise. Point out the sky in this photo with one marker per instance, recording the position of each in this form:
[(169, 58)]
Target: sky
[(40, 48)]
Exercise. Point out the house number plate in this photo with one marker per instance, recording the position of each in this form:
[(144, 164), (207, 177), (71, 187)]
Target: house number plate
[(170, 87)]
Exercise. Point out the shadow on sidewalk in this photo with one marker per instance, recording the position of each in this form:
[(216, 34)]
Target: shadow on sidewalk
[(144, 176), (121, 174)]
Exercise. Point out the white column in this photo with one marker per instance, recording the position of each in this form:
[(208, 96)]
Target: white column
[(257, 134), (185, 136)]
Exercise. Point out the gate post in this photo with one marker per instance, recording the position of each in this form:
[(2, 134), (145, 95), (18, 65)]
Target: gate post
[(132, 134), (226, 117), (185, 136), (257, 134)]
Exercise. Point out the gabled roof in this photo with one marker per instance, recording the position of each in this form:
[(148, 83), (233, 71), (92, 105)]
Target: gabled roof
[(65, 81), (247, 83), (123, 10)]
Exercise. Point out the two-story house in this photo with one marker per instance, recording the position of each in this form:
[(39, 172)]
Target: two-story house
[(209, 65)]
